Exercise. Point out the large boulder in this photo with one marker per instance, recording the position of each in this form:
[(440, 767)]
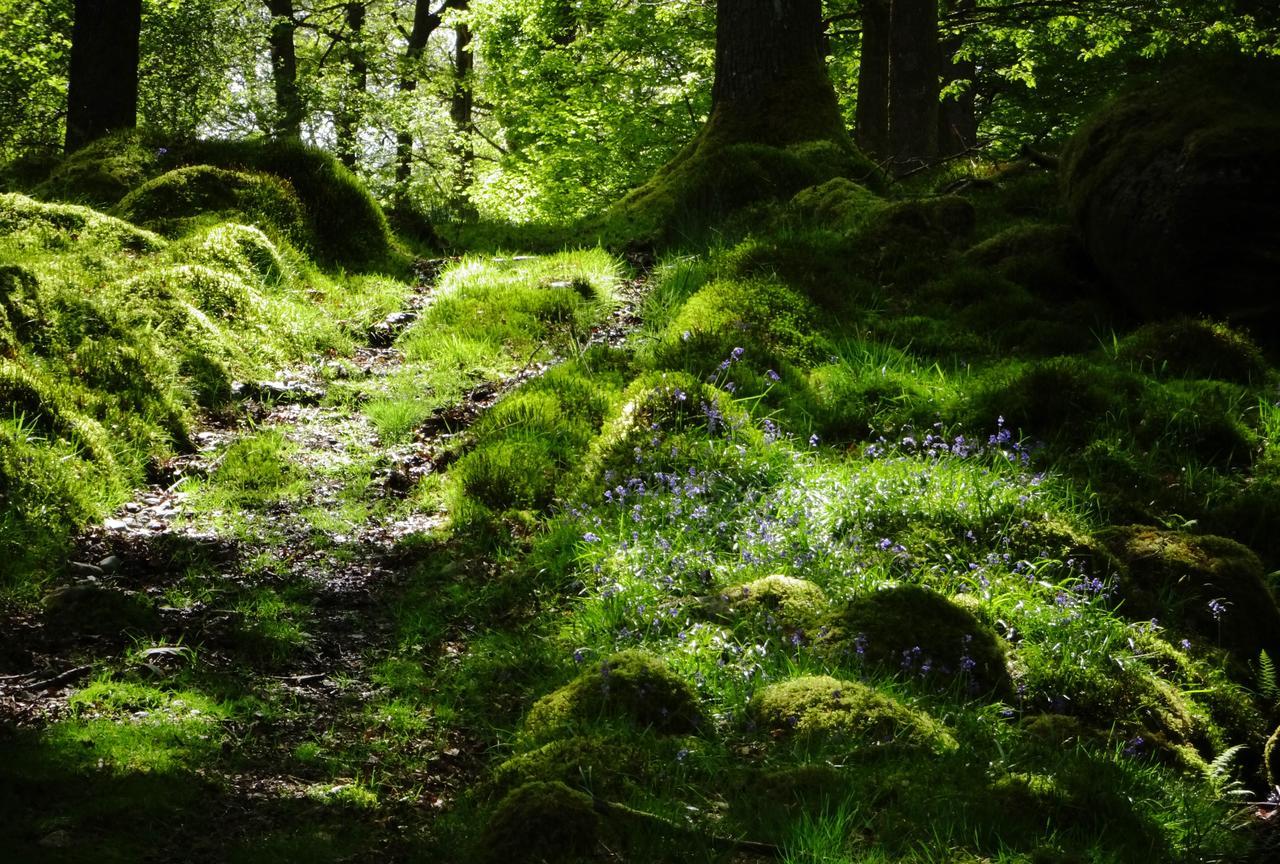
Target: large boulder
[(1176, 191), (1204, 585)]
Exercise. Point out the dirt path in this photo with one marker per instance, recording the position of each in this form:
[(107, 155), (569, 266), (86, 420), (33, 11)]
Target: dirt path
[(192, 576)]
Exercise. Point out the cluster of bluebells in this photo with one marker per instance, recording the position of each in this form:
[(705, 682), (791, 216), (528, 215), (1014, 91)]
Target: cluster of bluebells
[(936, 445)]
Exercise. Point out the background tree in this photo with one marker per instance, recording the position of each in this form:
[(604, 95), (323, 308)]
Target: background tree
[(284, 69), (102, 86)]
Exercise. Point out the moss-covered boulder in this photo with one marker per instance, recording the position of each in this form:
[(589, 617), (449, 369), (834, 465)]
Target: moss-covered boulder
[(631, 687), (1207, 585), (1195, 348), (1046, 258), (1053, 397), (540, 823), (1175, 189), (781, 603), (921, 633), (827, 709), (838, 203), (165, 203)]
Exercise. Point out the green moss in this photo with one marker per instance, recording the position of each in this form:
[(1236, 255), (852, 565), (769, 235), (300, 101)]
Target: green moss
[(1060, 396), (1194, 348), (244, 250), (1047, 259), (631, 686), (764, 316), (1271, 758), (348, 225), (716, 174), (840, 203), (106, 170), (36, 225), (826, 709), (1168, 185), (919, 632), (540, 822), (793, 605), (1176, 577), (166, 202)]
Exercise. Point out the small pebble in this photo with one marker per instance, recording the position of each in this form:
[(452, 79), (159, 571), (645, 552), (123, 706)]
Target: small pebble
[(115, 524)]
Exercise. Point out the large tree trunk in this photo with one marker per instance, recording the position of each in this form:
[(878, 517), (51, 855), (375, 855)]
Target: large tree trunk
[(102, 87), (349, 110), (957, 115), (460, 111), (284, 69), (771, 84), (913, 82), (872, 118)]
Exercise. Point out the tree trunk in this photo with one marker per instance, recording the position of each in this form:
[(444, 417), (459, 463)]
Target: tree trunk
[(958, 119), (284, 69), (460, 109), (102, 86), (349, 111), (425, 22), (771, 84), (872, 119), (913, 82)]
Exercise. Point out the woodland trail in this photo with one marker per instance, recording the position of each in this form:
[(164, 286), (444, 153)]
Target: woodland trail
[(290, 606)]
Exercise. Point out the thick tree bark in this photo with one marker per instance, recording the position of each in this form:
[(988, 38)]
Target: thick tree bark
[(913, 82), (958, 119), (102, 86), (771, 84), (460, 109), (349, 110), (284, 70), (872, 119)]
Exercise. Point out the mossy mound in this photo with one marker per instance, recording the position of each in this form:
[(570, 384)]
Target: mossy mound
[(827, 709), (105, 171), (1195, 348), (244, 250), (542, 822), (716, 175), (1175, 189), (610, 766), (349, 226), (1047, 259), (839, 203), (794, 606), (1055, 396), (166, 203), (921, 633), (661, 422), (35, 224), (630, 686), (1210, 586), (765, 318)]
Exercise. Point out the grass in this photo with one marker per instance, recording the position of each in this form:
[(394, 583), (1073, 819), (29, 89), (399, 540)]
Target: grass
[(806, 562)]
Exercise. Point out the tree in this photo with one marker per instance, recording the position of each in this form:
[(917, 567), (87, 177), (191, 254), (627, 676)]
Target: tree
[(349, 112), (425, 22), (102, 86), (461, 105), (898, 91), (284, 69), (771, 85), (957, 115)]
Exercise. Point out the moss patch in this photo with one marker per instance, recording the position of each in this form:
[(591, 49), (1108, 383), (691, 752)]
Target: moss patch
[(921, 633), (631, 686), (827, 709), (541, 821), (1209, 586)]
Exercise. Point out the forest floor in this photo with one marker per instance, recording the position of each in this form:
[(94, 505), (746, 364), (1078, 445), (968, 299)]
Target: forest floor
[(286, 603)]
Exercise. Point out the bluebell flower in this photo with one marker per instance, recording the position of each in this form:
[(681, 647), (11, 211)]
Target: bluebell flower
[(773, 376), (591, 538)]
